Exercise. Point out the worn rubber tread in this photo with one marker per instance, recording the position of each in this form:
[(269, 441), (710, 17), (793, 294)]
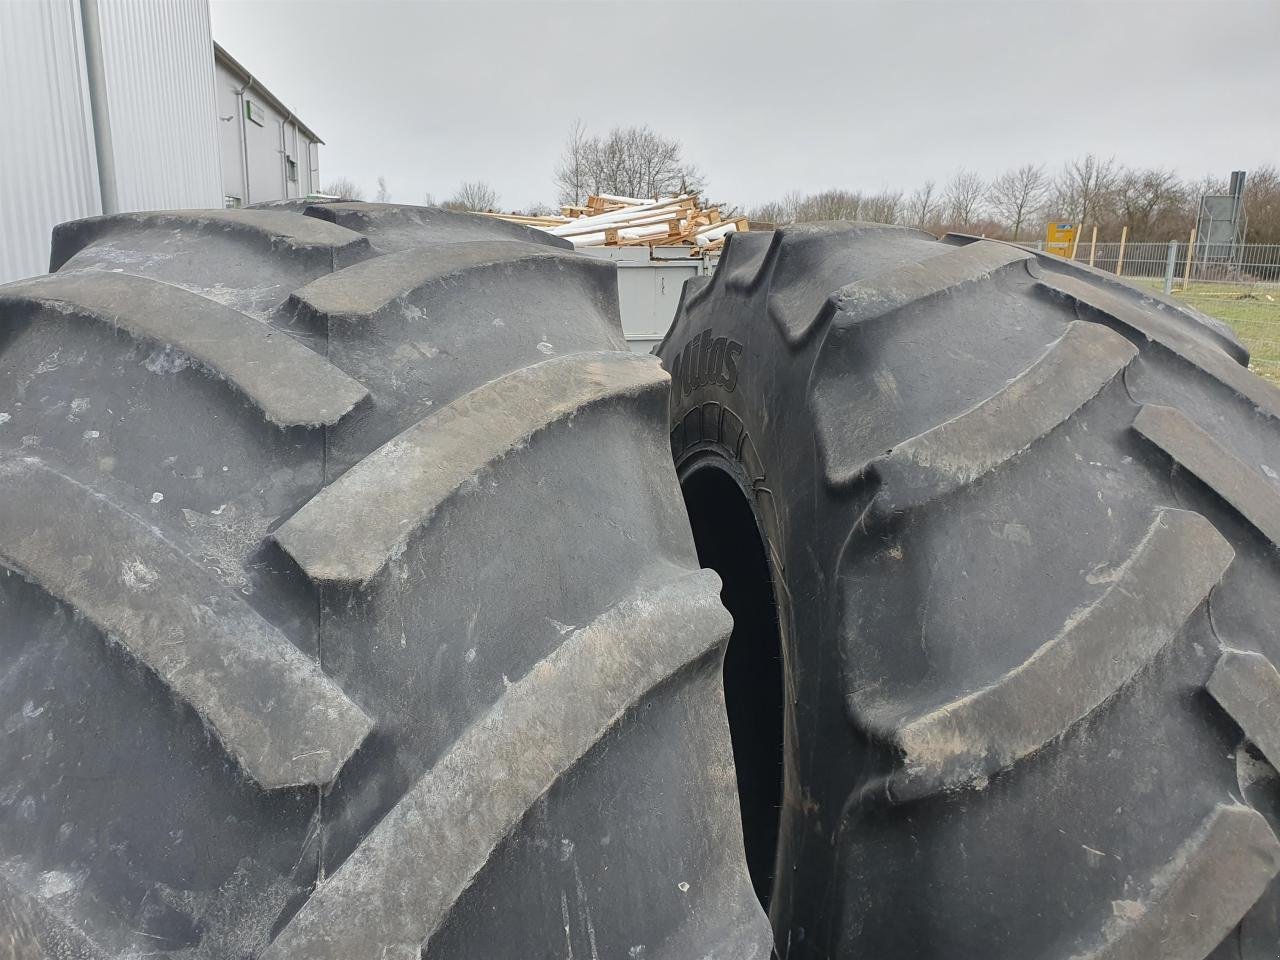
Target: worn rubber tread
[(1264, 396), (856, 308), (959, 451), (1245, 488), (1105, 643), (1019, 649), (1201, 894), (1247, 686), (349, 531), (177, 485), (938, 276), (744, 260), (272, 231), (1208, 330), (292, 385), (396, 887), (393, 226), (800, 251), (366, 288), (283, 720), (31, 930)]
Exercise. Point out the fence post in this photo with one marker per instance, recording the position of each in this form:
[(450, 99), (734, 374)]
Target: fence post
[(1169, 266), (1191, 248), (1075, 245), (1093, 244), (1124, 236)]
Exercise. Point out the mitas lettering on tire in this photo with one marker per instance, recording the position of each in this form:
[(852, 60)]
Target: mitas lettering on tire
[(705, 359)]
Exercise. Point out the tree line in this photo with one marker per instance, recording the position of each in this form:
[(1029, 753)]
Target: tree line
[(1153, 202), (472, 195)]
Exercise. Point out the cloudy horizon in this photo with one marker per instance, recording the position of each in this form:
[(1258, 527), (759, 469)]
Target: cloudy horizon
[(766, 98)]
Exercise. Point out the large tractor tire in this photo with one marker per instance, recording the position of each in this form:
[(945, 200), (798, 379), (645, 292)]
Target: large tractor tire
[(999, 534), (349, 609)]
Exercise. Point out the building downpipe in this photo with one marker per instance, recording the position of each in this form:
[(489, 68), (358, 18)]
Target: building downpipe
[(91, 29), (244, 140)]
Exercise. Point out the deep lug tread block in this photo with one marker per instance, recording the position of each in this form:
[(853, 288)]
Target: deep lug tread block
[(1200, 895), (1166, 577), (1072, 372), (1209, 331), (272, 232), (392, 226), (1264, 396), (886, 293), (1246, 489), (396, 888), (349, 532), (930, 280), (291, 385), (799, 253), (272, 708), (363, 290), (1247, 686)]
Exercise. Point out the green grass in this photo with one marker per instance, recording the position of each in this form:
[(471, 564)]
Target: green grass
[(1254, 314)]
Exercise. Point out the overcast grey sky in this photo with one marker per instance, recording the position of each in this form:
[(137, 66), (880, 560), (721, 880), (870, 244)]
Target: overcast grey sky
[(766, 97)]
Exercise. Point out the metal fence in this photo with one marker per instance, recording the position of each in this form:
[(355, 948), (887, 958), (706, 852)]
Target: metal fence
[(1238, 283), (1242, 265)]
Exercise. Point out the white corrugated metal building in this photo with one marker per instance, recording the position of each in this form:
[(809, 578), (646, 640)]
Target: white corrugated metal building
[(267, 152), (113, 106), (155, 143)]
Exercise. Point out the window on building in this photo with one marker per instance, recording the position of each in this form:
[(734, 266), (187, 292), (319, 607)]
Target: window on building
[(291, 169)]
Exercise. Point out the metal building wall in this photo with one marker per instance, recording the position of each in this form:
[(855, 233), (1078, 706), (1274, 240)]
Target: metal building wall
[(268, 143), (230, 108), (159, 65), (48, 172), (266, 168), (158, 60)]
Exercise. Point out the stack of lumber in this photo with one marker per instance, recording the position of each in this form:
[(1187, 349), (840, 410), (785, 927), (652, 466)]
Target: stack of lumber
[(610, 221)]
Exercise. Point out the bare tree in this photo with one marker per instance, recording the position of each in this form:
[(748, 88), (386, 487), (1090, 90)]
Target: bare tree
[(473, 195), (571, 172), (383, 194), (1262, 204), (1016, 195), (829, 205), (1085, 187), (922, 208), (773, 211), (778, 211), (1153, 203), (963, 198), (630, 162), (885, 207), (428, 199), (343, 187)]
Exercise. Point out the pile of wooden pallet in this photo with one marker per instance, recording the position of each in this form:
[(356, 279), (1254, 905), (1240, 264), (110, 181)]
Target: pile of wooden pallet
[(609, 221)]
